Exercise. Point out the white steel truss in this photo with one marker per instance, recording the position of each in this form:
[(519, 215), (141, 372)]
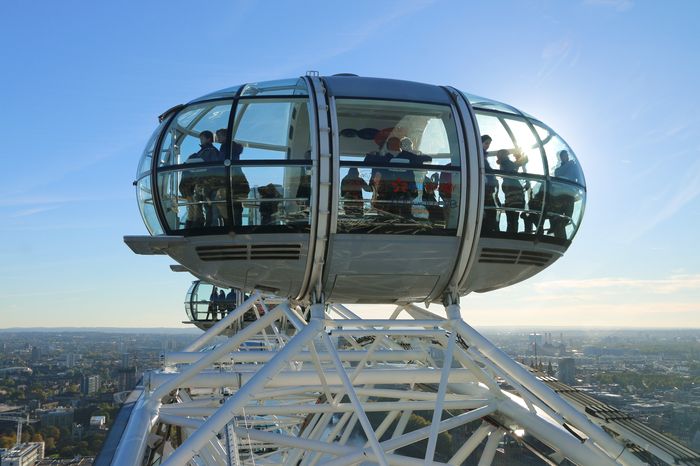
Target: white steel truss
[(325, 387)]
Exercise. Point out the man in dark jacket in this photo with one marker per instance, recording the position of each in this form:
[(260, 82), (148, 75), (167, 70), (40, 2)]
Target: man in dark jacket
[(194, 182)]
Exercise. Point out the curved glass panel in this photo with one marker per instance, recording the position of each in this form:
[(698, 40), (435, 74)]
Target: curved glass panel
[(192, 135), (207, 302), (144, 196), (526, 141), (279, 192), (189, 302), (512, 135), (272, 129), (287, 87), (512, 206), (426, 133), (147, 156), (195, 198), (563, 210), (561, 159), (398, 200), (228, 93), (276, 196), (399, 168), (489, 104)]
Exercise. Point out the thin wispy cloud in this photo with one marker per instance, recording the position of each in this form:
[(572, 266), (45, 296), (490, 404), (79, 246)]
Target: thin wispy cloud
[(375, 25), (684, 192), (618, 5), (556, 54), (31, 212)]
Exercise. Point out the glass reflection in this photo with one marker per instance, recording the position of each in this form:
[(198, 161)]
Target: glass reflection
[(564, 209), (147, 156), (374, 131), (401, 201), (144, 195), (482, 102), (295, 86), (198, 198), (560, 158), (209, 303), (399, 168), (277, 196), (272, 129), (191, 136), (194, 198), (512, 205)]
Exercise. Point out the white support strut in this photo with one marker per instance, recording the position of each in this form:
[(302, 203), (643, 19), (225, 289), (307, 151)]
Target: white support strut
[(300, 396)]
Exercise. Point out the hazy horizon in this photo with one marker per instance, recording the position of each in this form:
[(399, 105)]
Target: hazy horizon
[(615, 78)]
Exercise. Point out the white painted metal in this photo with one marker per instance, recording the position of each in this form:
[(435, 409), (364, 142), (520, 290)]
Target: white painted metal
[(300, 399), (490, 448), (223, 324)]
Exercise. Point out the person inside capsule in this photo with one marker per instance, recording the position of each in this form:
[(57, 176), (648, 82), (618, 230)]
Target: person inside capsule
[(351, 188), (512, 188), (562, 200)]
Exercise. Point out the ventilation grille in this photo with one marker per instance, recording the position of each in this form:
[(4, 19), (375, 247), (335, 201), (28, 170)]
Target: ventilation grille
[(244, 252), (514, 256)]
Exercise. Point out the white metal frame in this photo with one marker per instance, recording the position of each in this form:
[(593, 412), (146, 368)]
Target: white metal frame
[(301, 400)]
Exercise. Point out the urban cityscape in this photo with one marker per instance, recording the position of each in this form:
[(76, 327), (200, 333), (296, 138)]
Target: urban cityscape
[(65, 387)]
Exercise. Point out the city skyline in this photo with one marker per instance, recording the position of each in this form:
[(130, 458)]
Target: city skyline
[(614, 77)]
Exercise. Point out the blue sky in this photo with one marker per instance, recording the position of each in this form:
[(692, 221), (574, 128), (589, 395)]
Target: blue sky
[(83, 82)]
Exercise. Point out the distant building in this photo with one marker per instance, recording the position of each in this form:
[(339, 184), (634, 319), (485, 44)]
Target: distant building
[(36, 354), (535, 339), (26, 454), (126, 360), (566, 372), (127, 373), (70, 360), (98, 422), (60, 417), (127, 379), (91, 385)]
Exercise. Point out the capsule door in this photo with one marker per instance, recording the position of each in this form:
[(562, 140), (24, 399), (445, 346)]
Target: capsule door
[(396, 204)]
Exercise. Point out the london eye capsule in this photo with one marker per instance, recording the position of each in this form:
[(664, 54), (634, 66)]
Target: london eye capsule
[(357, 189)]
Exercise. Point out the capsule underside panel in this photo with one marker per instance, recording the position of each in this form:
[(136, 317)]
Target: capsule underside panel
[(358, 269), (396, 160), (247, 262)]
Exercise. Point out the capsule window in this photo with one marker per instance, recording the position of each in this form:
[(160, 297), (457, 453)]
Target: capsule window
[(399, 168), (561, 159), (564, 209), (271, 165), (271, 129), (196, 135), (514, 136), (144, 195), (277, 197), (194, 197), (512, 206), (147, 156)]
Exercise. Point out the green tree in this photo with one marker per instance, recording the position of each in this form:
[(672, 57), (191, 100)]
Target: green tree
[(50, 445), (7, 441)]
